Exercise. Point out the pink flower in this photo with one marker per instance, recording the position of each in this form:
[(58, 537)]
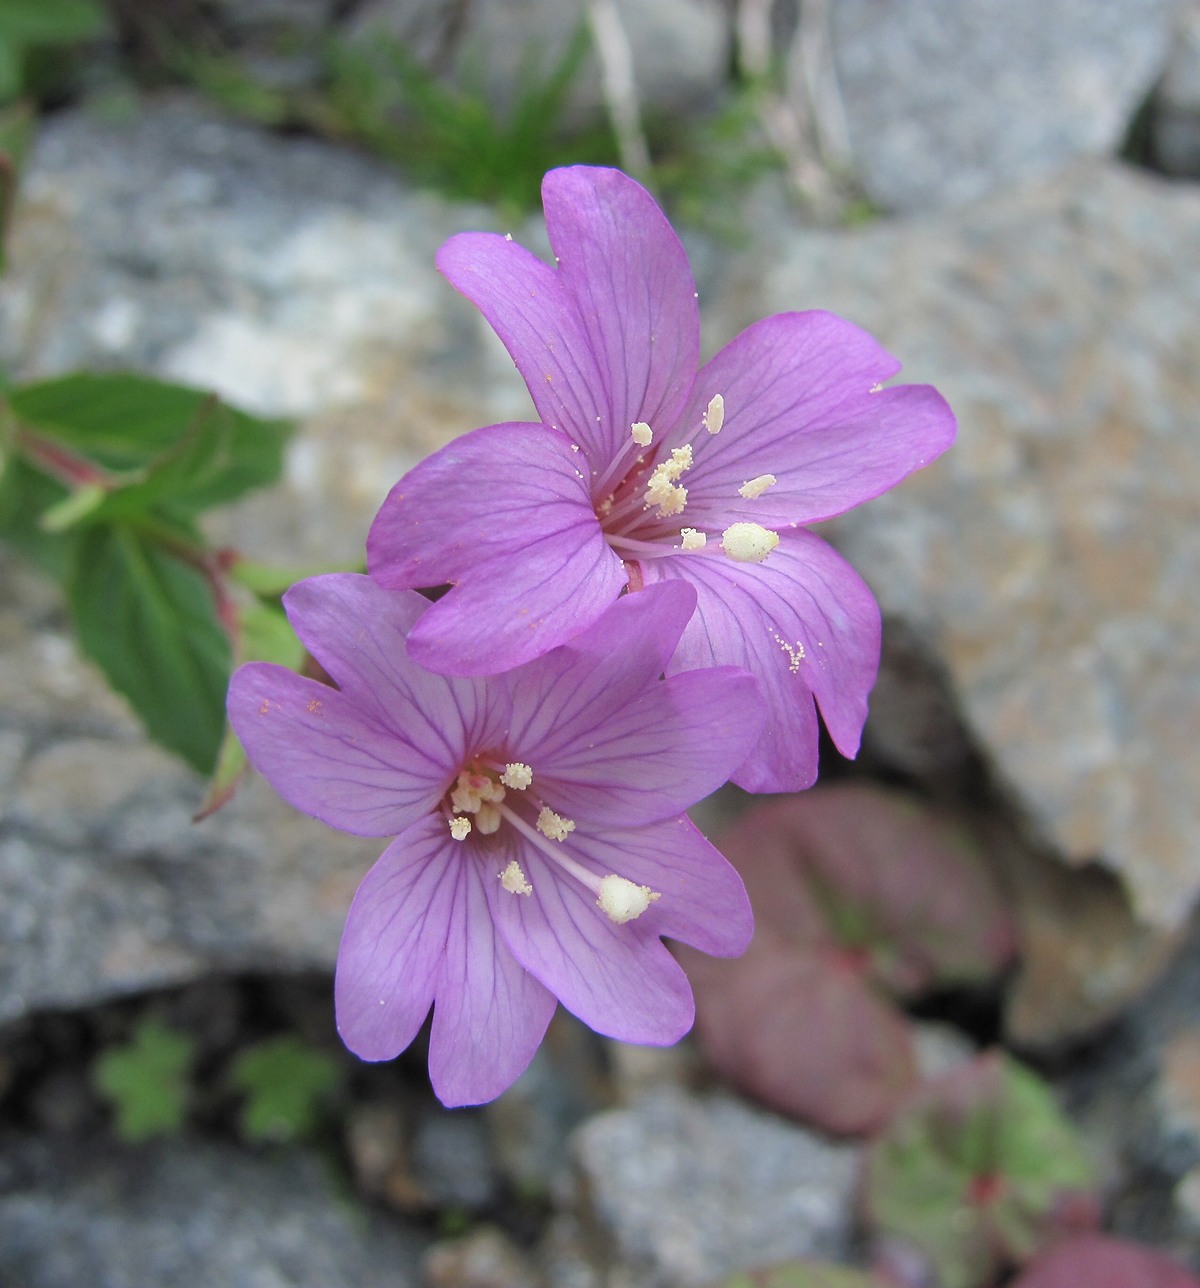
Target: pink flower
[(540, 848), (643, 471)]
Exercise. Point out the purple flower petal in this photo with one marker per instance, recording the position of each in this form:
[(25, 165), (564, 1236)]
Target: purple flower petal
[(503, 514), (618, 979), (609, 739), (490, 1014), (322, 755), (628, 274), (805, 625), (396, 931), (704, 902), (805, 402), (610, 337), (656, 755)]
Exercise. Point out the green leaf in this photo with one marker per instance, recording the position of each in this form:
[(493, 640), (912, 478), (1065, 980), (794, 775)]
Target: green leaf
[(147, 1080), (286, 1083), (25, 496), (976, 1171), (49, 22), (169, 445), (264, 635), (802, 1274), (269, 580), (149, 621)]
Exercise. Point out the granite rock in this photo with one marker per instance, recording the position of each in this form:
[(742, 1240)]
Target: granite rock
[(657, 1176), (205, 1215), (1046, 561), (948, 100), (1175, 119)]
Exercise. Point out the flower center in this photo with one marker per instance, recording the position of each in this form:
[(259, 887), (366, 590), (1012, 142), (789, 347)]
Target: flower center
[(476, 803), (640, 497)]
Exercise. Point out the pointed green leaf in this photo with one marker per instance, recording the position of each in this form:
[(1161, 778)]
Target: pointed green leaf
[(149, 621), (169, 445), (25, 496)]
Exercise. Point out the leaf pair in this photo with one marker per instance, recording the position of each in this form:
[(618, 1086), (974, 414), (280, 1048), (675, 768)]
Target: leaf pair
[(104, 477)]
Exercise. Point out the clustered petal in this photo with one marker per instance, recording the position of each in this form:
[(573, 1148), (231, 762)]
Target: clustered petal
[(632, 612)]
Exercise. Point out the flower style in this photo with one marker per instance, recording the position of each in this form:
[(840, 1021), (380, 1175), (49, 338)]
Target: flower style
[(643, 471), (540, 847)]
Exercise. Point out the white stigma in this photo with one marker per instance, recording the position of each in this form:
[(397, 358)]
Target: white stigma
[(621, 901), (487, 819), (693, 539), (748, 542), (756, 487), (714, 417), (460, 828), (554, 825), (641, 433), (472, 791), (513, 879), (517, 775)]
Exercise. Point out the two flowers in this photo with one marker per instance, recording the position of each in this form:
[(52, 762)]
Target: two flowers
[(636, 613)]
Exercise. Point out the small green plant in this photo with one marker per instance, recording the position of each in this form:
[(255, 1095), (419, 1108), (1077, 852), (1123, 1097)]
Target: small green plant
[(287, 1084), (102, 481), (452, 139), (31, 26), (147, 1081)]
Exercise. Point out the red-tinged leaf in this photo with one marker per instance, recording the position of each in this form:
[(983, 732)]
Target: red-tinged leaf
[(876, 872), (798, 1029), (1099, 1261), (976, 1171)]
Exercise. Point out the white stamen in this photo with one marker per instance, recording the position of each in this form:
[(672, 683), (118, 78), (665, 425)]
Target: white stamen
[(622, 901), (756, 487), (641, 433), (460, 828), (554, 825), (487, 818), (517, 775), (748, 542), (714, 417), (513, 879), (693, 539)]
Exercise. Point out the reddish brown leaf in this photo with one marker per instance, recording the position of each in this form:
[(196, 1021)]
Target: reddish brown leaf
[(798, 1028), (1098, 1261), (877, 872)]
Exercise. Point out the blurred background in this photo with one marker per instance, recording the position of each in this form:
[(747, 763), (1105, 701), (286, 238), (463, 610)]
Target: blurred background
[(245, 197)]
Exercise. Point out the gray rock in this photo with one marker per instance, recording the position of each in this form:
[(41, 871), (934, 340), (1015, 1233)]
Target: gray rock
[(1046, 561), (106, 884), (947, 100), (292, 277), (207, 1216), (679, 48), (690, 1190), (1175, 123)]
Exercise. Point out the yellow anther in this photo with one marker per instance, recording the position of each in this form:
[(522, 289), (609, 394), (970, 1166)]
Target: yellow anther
[(756, 487), (748, 542)]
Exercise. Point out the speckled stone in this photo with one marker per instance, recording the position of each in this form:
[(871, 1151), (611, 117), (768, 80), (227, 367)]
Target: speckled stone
[(946, 101), (1049, 560), (689, 1190)]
